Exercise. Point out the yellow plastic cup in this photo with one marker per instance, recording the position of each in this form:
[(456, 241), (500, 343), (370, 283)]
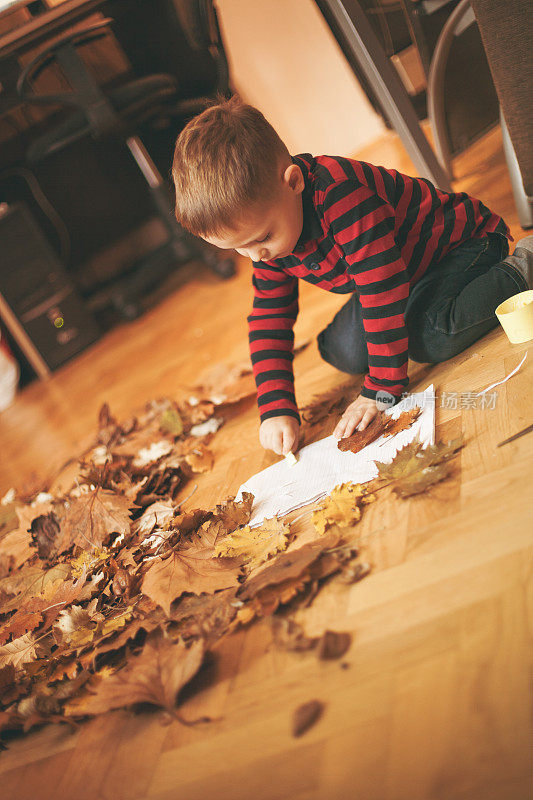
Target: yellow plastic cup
[(516, 317)]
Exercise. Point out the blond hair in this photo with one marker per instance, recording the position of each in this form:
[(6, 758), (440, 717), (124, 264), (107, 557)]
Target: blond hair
[(225, 159)]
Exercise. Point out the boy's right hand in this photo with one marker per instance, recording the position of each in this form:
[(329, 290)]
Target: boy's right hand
[(280, 434)]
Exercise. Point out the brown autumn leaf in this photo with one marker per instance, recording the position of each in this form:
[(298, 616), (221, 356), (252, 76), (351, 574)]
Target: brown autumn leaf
[(188, 521), (255, 545), (158, 514), (114, 640), (108, 428), (21, 622), (90, 519), (55, 597), (8, 518), (224, 383), (30, 582), (416, 468), (200, 459), (155, 676), (190, 568), (18, 652), (305, 716), (234, 513), (289, 566), (44, 531), (381, 425), (333, 644), (268, 599), (206, 616), (76, 625), (16, 548), (342, 507), (402, 421)]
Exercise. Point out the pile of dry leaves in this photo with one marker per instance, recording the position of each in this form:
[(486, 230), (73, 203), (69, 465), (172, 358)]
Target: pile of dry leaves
[(111, 593)]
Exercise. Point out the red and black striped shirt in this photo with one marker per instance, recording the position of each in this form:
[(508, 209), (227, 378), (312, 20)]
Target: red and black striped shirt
[(369, 230)]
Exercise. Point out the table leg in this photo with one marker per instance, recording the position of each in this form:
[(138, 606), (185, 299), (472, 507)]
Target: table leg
[(360, 45)]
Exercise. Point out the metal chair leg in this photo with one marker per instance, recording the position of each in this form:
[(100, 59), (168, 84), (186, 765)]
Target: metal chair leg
[(524, 203), (435, 90)]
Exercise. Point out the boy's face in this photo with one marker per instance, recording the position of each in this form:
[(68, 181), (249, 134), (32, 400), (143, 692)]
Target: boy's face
[(269, 230)]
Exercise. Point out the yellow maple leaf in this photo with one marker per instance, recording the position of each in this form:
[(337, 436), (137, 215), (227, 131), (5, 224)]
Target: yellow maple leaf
[(255, 545), (341, 507)]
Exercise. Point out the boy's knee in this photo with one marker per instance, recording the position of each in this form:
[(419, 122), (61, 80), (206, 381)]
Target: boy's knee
[(433, 352), (343, 358)]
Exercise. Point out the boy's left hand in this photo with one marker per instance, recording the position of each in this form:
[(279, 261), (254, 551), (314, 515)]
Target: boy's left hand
[(357, 415)]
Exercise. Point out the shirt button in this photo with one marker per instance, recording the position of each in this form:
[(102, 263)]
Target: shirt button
[(314, 266)]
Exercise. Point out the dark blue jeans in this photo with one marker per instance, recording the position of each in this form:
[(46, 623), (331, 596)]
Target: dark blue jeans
[(450, 307)]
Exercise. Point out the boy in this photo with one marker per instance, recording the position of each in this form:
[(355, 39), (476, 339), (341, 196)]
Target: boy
[(425, 269)]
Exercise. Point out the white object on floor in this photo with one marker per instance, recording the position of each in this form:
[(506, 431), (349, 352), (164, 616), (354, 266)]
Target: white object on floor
[(514, 371), (321, 466)]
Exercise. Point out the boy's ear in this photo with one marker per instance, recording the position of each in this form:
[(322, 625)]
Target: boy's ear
[(294, 179)]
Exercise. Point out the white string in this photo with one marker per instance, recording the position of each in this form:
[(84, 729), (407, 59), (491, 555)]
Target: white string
[(505, 379)]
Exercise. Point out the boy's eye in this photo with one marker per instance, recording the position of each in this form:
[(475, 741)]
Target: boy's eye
[(267, 237)]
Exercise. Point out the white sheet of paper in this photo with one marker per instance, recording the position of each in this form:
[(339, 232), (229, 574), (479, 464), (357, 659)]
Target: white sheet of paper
[(322, 466)]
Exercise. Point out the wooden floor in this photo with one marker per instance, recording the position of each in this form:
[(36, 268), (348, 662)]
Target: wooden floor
[(436, 700)]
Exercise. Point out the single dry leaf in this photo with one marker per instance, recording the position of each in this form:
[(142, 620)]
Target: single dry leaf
[(30, 582), (305, 716), (267, 600), (193, 569), (289, 566), (254, 546), (155, 676), (402, 422), (70, 622), (18, 652), (171, 422), (188, 521), (55, 597), (233, 513), (90, 519), (157, 514), (206, 616), (333, 644), (44, 532), (200, 459), (416, 468), (20, 623), (381, 425), (120, 636), (16, 548), (226, 384), (341, 507)]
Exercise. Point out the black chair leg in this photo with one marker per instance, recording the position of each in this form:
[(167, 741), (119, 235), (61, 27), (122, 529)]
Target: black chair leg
[(183, 245)]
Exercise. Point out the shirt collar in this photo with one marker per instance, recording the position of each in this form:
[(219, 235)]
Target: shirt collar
[(311, 228)]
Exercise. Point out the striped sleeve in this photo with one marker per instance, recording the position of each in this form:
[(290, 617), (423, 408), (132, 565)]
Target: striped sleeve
[(362, 224), (271, 337)]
